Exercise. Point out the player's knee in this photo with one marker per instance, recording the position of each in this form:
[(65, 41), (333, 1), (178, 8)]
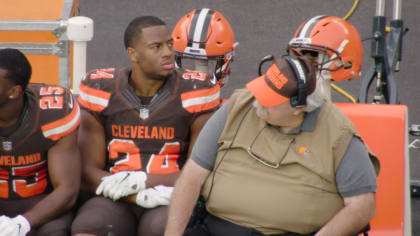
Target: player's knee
[(154, 229), (59, 232), (84, 223), (153, 222), (101, 216), (57, 227)]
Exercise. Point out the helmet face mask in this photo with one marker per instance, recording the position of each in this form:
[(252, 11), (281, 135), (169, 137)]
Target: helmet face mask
[(324, 65), (323, 58), (204, 34), (189, 63), (334, 36)]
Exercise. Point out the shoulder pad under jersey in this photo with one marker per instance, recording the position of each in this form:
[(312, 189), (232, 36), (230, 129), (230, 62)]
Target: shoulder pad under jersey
[(59, 110), (96, 89), (198, 92)]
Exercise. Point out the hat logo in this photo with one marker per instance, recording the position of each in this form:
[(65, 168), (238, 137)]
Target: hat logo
[(276, 77), (303, 151)]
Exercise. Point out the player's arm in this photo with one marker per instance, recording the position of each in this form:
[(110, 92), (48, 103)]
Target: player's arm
[(196, 127), (356, 182), (91, 142), (64, 167), (355, 215), (195, 172), (184, 197)]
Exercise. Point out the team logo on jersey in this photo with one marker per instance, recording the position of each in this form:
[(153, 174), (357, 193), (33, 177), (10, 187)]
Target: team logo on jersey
[(303, 151), (213, 80), (144, 113), (7, 145)]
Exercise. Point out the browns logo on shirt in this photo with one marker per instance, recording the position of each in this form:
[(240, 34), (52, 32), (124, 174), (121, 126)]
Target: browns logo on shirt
[(50, 113), (154, 137)]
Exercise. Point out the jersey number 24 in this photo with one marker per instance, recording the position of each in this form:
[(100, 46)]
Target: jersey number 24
[(165, 162)]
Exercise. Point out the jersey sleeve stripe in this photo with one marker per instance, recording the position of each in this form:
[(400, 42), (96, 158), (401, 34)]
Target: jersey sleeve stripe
[(93, 99), (60, 128), (201, 100)]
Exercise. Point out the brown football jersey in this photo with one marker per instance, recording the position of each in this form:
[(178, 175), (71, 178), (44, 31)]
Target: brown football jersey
[(154, 137), (50, 113)]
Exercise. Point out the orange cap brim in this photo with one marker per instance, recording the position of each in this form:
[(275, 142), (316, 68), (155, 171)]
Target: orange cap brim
[(264, 94)]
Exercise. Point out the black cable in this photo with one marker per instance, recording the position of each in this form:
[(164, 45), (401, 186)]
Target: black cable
[(224, 154)]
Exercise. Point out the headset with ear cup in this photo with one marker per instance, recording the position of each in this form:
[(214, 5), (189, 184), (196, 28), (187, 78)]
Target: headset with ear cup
[(297, 65), (299, 100)]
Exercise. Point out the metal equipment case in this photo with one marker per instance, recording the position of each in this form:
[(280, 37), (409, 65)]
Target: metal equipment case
[(38, 29)]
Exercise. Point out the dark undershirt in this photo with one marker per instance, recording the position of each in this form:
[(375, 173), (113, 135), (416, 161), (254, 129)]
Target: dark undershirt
[(145, 100)]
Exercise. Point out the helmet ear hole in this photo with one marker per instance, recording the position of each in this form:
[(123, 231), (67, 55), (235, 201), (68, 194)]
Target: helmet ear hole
[(348, 65)]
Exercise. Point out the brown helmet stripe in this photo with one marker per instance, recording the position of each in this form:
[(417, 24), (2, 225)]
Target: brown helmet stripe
[(199, 27), (306, 29)]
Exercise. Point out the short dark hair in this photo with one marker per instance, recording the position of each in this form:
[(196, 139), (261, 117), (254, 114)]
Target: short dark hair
[(133, 30), (18, 68)]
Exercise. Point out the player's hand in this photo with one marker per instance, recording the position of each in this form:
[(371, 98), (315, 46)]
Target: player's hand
[(122, 184), (17, 226), (152, 197)]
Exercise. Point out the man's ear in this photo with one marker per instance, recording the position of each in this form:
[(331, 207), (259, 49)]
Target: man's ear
[(132, 54), (15, 92)]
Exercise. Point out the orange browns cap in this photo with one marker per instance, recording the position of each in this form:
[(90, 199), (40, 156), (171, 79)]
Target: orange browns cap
[(280, 83)]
